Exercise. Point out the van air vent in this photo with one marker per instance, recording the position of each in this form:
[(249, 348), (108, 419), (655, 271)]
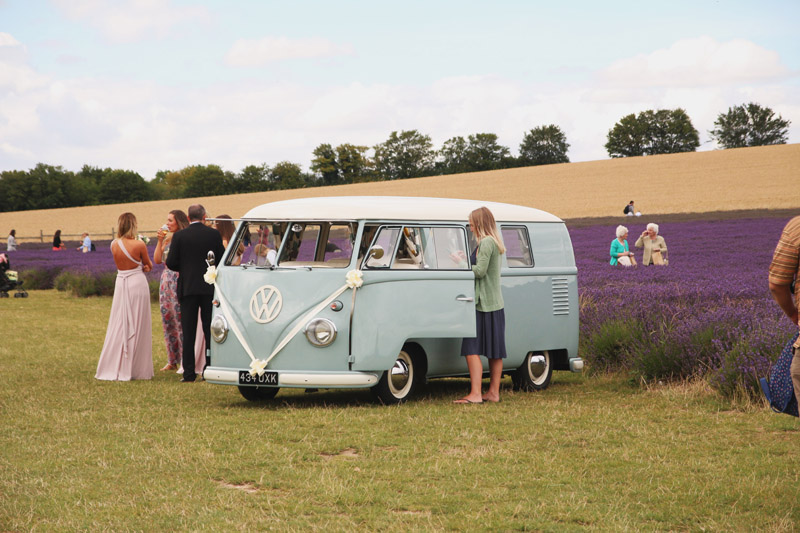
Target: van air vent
[(560, 296)]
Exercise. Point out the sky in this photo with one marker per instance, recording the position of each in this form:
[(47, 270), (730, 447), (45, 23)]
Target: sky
[(149, 85)]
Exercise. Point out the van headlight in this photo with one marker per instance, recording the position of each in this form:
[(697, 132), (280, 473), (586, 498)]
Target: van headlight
[(219, 328), (321, 332)]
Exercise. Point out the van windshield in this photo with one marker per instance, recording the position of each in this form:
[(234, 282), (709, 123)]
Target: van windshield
[(293, 244)]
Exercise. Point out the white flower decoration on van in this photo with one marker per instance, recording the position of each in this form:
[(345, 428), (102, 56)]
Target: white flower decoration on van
[(258, 366), (354, 279), (211, 275)]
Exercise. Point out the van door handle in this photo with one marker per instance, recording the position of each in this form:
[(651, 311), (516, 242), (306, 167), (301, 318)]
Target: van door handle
[(462, 298)]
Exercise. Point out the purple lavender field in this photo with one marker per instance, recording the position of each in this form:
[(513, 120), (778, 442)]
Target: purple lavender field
[(86, 274), (708, 314)]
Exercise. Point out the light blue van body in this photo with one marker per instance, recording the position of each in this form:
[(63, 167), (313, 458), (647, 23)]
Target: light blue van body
[(285, 316)]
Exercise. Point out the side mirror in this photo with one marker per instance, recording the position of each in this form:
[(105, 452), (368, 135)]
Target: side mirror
[(374, 256), (376, 252), (210, 258)]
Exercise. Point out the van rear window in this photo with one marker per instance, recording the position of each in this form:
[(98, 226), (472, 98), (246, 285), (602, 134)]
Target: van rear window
[(518, 246)]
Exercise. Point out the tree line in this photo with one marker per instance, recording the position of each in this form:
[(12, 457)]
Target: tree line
[(405, 154)]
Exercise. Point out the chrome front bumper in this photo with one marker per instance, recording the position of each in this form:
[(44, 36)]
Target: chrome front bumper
[(319, 380)]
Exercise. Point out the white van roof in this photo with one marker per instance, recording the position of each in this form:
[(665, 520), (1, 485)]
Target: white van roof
[(391, 208)]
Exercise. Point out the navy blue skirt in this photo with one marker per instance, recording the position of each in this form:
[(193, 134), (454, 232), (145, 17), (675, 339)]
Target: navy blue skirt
[(491, 336)]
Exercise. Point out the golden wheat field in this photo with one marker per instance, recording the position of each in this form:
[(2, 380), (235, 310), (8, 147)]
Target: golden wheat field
[(765, 177)]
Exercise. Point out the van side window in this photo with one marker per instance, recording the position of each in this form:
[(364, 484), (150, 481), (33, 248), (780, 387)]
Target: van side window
[(421, 248), (449, 247), (518, 246)]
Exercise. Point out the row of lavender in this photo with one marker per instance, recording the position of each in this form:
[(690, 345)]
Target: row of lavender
[(708, 314), (84, 274)]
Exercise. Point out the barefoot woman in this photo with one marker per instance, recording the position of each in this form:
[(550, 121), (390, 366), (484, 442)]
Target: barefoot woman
[(490, 340)]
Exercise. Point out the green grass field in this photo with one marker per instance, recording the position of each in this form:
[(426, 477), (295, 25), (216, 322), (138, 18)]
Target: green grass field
[(588, 453)]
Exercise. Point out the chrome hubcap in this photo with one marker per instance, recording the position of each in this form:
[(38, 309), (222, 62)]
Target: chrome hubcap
[(400, 375), (537, 368)]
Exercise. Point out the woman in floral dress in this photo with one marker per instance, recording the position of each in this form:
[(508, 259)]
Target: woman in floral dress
[(168, 290)]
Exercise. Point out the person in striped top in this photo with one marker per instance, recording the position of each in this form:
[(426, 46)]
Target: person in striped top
[(783, 274)]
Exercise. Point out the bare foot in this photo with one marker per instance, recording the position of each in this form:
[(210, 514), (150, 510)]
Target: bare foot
[(491, 398)]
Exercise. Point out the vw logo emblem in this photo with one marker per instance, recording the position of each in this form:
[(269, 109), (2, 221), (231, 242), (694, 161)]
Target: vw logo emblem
[(265, 304)]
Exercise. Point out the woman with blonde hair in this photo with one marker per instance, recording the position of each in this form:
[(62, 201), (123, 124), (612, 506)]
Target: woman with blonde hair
[(490, 320), (655, 248), (127, 351), (264, 253)]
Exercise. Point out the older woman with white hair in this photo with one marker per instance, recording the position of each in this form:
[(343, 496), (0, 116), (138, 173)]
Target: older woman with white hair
[(620, 254), (655, 249)]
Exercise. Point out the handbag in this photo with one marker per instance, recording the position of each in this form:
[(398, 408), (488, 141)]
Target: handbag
[(656, 257), (779, 390)]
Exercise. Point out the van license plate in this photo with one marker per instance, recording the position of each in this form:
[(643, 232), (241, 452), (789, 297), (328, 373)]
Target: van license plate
[(267, 378)]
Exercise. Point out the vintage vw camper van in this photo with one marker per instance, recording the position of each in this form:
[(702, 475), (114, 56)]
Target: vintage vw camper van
[(357, 292)]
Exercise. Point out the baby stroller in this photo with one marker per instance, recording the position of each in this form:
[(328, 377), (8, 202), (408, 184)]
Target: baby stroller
[(9, 281)]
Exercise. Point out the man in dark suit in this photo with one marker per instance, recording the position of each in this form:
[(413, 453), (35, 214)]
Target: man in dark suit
[(187, 256)]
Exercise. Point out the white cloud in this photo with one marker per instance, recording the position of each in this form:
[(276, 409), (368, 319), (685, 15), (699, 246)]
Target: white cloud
[(130, 20), (146, 126), (15, 75), (697, 62), (11, 50), (258, 52), (6, 39)]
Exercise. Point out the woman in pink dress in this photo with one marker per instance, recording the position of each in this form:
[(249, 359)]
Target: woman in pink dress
[(127, 351)]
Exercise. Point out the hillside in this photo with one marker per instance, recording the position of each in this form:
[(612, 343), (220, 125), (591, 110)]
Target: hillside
[(724, 180)]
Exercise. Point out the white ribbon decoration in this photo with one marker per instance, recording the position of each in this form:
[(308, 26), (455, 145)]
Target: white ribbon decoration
[(226, 311), (354, 280)]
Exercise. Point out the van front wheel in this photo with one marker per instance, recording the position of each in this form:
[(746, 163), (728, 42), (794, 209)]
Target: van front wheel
[(534, 373), (403, 380), (258, 394)]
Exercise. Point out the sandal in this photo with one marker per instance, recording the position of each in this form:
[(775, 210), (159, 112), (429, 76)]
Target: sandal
[(466, 401)]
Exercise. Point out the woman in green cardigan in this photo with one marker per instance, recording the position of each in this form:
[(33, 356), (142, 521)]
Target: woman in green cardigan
[(490, 340)]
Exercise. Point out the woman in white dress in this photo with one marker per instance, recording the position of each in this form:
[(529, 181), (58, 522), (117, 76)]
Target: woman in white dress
[(127, 351)]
